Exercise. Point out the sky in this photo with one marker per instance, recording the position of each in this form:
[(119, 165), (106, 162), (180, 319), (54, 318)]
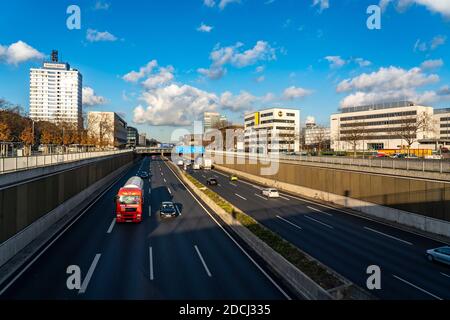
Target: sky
[(162, 63)]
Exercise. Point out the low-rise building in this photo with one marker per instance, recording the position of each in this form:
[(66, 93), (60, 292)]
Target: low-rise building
[(381, 126)]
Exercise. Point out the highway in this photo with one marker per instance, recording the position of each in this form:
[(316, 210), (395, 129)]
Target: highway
[(189, 257), (344, 242)]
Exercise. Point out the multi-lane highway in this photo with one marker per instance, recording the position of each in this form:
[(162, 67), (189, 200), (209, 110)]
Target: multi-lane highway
[(190, 257), (346, 243)]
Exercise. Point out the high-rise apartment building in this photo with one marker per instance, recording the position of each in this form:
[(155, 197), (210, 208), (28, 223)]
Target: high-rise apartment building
[(56, 93)]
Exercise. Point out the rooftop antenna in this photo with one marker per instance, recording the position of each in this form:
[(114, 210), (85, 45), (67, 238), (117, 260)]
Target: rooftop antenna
[(54, 55)]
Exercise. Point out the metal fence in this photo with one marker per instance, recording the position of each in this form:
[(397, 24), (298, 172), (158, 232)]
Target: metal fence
[(25, 163), (424, 165)]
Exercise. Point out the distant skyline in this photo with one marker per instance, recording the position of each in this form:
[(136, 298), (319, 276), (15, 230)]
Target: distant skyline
[(161, 64)]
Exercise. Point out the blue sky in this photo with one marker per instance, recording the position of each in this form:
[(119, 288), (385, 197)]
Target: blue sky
[(314, 55)]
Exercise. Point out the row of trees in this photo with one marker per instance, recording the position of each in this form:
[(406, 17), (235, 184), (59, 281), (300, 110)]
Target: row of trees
[(17, 128)]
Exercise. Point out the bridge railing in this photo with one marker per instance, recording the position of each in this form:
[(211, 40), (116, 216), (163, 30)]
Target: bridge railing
[(25, 163)]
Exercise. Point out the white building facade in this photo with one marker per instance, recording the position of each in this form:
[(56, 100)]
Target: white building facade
[(56, 94), (275, 130), (379, 125), (442, 123), (108, 128)]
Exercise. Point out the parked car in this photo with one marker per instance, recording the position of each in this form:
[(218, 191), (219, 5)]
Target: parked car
[(271, 193), (212, 182), (441, 254), (234, 178), (168, 210)]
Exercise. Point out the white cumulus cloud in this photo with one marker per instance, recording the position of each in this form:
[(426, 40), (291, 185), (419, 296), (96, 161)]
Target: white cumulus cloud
[(293, 92), (135, 76), (97, 36), (235, 56), (90, 99), (174, 105), (205, 28), (19, 52)]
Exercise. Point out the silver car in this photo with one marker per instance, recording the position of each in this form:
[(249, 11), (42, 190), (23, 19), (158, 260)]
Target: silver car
[(441, 254)]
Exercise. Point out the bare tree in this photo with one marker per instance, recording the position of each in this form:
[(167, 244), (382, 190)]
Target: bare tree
[(319, 138), (410, 128), (101, 129), (354, 135)]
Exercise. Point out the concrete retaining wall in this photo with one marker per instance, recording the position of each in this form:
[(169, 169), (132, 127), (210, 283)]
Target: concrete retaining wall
[(378, 188), (28, 209)]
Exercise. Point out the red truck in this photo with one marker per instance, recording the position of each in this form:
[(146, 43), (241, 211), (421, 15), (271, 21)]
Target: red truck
[(129, 201)]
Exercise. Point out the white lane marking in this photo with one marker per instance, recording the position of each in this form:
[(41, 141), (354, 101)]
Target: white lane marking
[(445, 275), (219, 185), (149, 211), (111, 227), (232, 239), (322, 223), (178, 210), (418, 288), (203, 176), (60, 234), (238, 195), (150, 252), (256, 187), (292, 224), (285, 198), (169, 190), (260, 196), (150, 190), (165, 180), (365, 218), (387, 235), (233, 184), (203, 262), (89, 274), (317, 210)]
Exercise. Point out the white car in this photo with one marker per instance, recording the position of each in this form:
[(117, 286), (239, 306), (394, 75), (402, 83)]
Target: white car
[(271, 193), (180, 162)]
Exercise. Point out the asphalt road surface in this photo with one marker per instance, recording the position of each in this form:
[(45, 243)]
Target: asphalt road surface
[(344, 242), (188, 257)]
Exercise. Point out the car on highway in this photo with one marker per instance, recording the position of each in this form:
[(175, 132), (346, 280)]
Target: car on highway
[(168, 210), (441, 254), (234, 178), (212, 182), (143, 175), (271, 193)]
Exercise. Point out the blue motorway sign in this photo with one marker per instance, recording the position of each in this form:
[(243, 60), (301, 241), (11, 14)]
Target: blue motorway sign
[(190, 149)]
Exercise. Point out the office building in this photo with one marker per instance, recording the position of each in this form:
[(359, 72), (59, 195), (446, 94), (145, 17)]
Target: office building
[(142, 139), (214, 120), (272, 131), (315, 136), (132, 137), (56, 93), (442, 123), (380, 126), (108, 129)]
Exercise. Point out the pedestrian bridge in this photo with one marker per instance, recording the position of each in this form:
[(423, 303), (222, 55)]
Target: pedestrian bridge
[(153, 150)]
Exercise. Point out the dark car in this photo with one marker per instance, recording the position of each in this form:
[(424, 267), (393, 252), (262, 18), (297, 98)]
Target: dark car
[(168, 210), (143, 175), (212, 182)]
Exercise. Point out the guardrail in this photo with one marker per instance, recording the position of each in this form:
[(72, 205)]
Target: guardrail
[(424, 165), (24, 163)]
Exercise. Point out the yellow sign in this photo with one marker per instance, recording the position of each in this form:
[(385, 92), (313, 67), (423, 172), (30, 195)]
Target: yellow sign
[(256, 118)]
